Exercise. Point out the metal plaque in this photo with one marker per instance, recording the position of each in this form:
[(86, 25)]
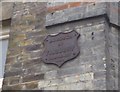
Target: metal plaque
[(61, 48)]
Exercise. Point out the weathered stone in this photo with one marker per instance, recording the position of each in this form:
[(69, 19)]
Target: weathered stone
[(75, 70), (39, 38), (17, 65), (14, 73), (33, 34), (74, 15), (89, 85), (51, 88), (23, 23), (31, 85), (72, 79), (51, 74), (100, 74), (99, 66), (20, 37), (15, 87), (43, 83), (36, 54), (22, 56), (25, 42), (33, 69), (10, 60), (86, 76), (99, 84), (31, 62), (96, 68), (14, 80), (33, 47), (73, 86), (33, 77), (6, 81)]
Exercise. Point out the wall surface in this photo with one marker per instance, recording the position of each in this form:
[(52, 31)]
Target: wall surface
[(95, 68), (6, 10), (87, 71), (113, 57), (24, 50)]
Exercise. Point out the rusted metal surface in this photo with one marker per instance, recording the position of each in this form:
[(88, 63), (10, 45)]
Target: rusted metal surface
[(61, 48)]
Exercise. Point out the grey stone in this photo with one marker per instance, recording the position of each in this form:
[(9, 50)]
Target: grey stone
[(51, 74), (74, 12), (100, 74), (73, 86), (74, 70), (99, 84), (51, 88), (99, 66)]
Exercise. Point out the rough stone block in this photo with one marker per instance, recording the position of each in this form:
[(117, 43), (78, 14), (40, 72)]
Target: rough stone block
[(89, 85), (51, 88), (73, 86), (14, 73), (33, 77), (99, 84), (100, 74), (51, 74), (32, 62), (43, 83), (72, 79), (31, 85), (33, 47), (14, 80), (99, 66), (86, 76)]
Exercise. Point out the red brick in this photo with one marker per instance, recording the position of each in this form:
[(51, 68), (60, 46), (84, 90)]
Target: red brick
[(64, 6)]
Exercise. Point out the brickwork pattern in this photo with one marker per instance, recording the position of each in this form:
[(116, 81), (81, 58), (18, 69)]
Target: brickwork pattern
[(23, 58), (89, 71)]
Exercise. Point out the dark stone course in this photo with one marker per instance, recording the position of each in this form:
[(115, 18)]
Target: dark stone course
[(33, 77), (33, 34), (33, 47), (31, 85), (14, 80), (32, 62), (36, 54), (13, 73)]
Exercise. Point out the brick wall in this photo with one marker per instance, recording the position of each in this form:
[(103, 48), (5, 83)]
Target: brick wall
[(24, 50), (57, 6), (91, 70)]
